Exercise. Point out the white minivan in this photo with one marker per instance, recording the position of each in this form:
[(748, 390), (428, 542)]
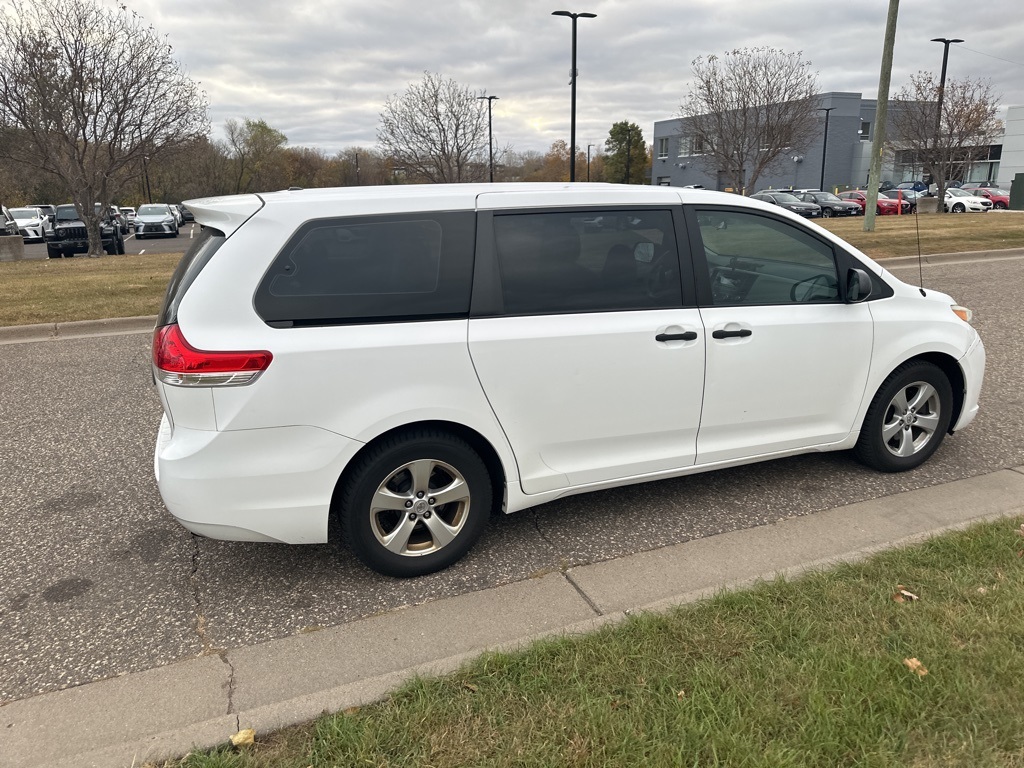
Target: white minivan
[(392, 364)]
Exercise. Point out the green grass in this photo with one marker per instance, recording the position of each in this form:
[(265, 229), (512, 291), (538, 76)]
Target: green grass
[(59, 290), (126, 286), (805, 672)]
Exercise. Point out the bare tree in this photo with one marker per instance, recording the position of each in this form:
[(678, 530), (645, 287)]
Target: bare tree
[(436, 130), (748, 108), (87, 93), (946, 149)]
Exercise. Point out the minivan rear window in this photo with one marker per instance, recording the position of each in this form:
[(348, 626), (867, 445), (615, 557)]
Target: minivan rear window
[(415, 266)]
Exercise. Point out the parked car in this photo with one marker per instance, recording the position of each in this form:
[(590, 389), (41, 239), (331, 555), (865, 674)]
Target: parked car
[(830, 204), (1000, 197), (960, 201), (7, 222), (155, 219), (788, 201), (883, 207), (914, 186), (186, 214), (30, 223), (117, 215), (129, 215), (395, 364), (905, 197), (176, 211), (49, 211), (69, 235)]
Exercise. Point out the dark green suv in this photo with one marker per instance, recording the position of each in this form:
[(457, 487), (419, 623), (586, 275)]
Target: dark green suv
[(69, 235)]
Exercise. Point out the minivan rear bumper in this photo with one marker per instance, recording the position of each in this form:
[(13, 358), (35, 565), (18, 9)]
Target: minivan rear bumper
[(270, 484)]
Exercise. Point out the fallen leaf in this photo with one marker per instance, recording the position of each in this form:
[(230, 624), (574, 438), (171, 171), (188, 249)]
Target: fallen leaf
[(902, 595), (982, 591), (470, 687), (916, 666), (245, 736), (350, 710), (681, 695), (1020, 532)]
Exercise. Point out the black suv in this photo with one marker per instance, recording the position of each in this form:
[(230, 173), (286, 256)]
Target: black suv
[(69, 235)]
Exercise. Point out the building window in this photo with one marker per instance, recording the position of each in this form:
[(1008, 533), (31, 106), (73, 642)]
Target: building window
[(664, 181), (865, 130), (662, 148), (691, 145)]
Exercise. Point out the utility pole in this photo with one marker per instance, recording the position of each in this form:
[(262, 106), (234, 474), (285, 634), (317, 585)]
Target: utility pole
[(881, 117), (940, 182)]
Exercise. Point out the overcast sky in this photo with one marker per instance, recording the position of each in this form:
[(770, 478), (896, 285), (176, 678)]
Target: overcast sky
[(321, 70)]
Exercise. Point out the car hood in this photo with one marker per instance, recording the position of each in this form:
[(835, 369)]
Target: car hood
[(153, 218)]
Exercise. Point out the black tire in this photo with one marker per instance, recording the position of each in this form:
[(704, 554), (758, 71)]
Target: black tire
[(53, 253), (999, 205), (959, 208), (826, 213), (175, 232), (443, 460), (895, 438)]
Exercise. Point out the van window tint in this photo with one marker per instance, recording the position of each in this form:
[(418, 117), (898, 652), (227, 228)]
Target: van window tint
[(754, 259), (360, 269), (587, 261), (196, 257)]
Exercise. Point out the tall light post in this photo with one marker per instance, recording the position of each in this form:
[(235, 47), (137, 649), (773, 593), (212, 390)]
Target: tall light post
[(490, 134), (940, 183), (145, 172), (824, 147), (572, 82), (588, 160)]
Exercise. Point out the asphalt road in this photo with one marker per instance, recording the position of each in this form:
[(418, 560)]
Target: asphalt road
[(96, 579), (133, 246)]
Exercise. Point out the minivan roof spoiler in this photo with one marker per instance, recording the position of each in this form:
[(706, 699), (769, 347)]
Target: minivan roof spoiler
[(224, 213)]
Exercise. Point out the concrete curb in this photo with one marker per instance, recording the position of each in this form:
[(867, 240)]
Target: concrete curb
[(19, 334), (164, 712)]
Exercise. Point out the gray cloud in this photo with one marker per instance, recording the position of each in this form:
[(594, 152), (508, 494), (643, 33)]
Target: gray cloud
[(320, 72)]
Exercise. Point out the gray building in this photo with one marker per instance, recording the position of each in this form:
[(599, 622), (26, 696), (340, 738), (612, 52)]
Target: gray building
[(851, 125)]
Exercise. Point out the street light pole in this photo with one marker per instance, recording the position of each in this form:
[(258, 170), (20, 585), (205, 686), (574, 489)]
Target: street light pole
[(490, 134), (588, 161), (824, 147), (572, 82), (145, 172), (940, 183)]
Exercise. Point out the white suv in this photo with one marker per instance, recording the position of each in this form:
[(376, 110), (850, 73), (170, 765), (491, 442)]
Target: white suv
[(392, 364)]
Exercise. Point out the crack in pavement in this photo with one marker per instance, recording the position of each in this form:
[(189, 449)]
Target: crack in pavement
[(204, 639), (584, 595)]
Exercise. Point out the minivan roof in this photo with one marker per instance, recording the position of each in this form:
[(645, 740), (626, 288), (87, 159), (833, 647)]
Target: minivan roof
[(228, 213)]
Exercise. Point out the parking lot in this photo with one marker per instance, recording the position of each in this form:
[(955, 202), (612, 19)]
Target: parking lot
[(98, 579), (135, 247)]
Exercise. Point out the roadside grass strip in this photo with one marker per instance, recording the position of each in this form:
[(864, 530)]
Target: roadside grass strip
[(914, 657)]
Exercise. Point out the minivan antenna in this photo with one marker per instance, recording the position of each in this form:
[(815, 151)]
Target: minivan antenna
[(920, 265)]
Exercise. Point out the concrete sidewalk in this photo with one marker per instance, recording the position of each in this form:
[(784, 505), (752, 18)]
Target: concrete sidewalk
[(164, 712)]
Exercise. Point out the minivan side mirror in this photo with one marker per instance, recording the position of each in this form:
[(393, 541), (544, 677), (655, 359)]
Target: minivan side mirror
[(858, 286)]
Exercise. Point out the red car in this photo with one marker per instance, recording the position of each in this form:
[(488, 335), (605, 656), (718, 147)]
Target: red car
[(884, 207), (1000, 197)]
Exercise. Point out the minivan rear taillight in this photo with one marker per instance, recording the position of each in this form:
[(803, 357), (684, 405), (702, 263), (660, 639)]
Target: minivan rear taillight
[(177, 362)]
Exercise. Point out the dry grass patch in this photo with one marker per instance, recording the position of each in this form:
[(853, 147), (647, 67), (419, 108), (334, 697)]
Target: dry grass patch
[(60, 290)]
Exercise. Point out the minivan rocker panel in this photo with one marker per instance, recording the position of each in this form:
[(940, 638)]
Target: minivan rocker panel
[(391, 364)]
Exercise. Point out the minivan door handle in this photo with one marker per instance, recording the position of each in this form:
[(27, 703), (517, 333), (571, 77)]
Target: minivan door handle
[(743, 333), (687, 336)]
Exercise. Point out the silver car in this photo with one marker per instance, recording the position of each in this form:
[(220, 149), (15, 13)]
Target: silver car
[(155, 219)]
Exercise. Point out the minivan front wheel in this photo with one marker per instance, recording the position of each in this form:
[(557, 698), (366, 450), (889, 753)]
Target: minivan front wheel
[(907, 419), (415, 503)]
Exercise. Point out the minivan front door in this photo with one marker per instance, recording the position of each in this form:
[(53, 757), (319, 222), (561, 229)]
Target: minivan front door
[(592, 365)]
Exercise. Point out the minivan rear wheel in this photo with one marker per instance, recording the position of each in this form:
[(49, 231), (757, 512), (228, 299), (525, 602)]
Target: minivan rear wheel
[(415, 503), (907, 419)]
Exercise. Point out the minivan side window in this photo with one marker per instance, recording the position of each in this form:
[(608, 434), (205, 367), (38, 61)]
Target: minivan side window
[(587, 261), (372, 268), (757, 259)]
